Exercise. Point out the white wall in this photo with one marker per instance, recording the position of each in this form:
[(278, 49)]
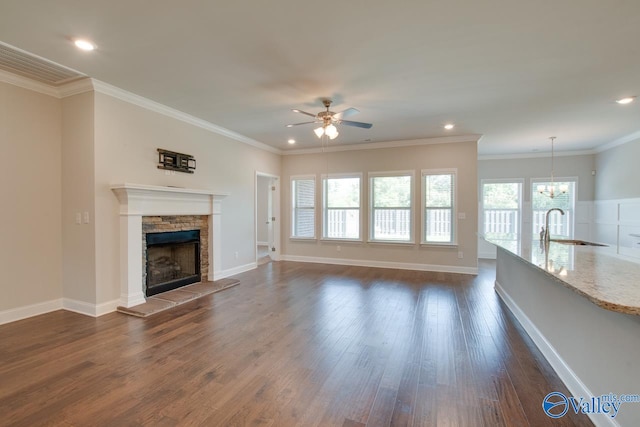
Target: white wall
[(78, 240), (126, 139), (618, 172), (30, 183), (461, 155), (617, 193), (579, 166)]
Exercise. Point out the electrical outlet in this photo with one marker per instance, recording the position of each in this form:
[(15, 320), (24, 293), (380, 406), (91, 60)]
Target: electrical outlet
[(460, 254), (338, 248), (78, 218), (85, 217), (236, 255), (462, 215)]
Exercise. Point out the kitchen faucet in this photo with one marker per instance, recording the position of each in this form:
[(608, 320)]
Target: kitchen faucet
[(546, 223)]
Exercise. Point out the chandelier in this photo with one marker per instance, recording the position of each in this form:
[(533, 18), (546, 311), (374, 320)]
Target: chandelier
[(550, 190)]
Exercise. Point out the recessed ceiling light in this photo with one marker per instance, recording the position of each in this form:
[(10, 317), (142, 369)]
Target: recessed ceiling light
[(627, 100), (84, 45), (449, 126), (291, 141)]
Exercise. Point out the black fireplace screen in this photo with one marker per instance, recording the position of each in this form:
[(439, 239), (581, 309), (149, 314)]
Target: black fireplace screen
[(173, 260)]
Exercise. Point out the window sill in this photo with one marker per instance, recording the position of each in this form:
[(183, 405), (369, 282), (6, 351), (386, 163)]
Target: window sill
[(440, 245), (333, 240), (302, 239), (391, 242)]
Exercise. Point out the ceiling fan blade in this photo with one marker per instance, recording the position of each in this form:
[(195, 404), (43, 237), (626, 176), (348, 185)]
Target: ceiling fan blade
[(302, 123), (356, 124), (346, 113), (295, 110)]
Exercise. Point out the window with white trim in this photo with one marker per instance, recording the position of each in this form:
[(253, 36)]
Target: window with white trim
[(341, 206), (438, 203), (502, 208), (303, 207), (391, 210)]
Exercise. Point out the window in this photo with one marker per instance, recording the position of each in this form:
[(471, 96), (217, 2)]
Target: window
[(341, 207), (501, 209), (559, 225), (303, 205), (438, 201), (391, 207)]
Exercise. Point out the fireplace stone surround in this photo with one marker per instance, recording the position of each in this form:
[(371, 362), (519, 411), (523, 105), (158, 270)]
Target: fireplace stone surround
[(138, 201)]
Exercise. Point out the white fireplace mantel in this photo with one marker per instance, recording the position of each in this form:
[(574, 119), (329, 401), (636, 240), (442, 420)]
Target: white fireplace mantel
[(136, 201)]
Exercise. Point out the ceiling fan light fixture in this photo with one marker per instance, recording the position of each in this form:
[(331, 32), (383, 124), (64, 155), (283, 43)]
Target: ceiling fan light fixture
[(331, 131), (449, 126), (329, 119)]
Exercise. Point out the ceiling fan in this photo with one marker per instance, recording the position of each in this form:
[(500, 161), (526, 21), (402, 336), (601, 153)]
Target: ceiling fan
[(329, 119)]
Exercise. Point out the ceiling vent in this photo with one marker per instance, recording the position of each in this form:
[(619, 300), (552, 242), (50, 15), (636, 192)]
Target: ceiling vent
[(18, 61)]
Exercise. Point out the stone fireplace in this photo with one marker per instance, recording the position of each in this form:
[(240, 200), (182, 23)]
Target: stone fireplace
[(147, 211)]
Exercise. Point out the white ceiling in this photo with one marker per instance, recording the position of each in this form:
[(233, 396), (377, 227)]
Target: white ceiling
[(516, 72)]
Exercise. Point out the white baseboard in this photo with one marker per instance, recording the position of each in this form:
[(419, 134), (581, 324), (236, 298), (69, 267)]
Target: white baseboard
[(88, 309), (262, 243), (19, 313), (68, 304), (566, 374), (217, 275), (383, 264)]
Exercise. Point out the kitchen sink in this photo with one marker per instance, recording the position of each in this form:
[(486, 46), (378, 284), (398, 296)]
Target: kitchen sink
[(576, 242)]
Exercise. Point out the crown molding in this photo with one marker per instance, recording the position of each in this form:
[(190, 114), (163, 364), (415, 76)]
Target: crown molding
[(27, 83), (89, 84), (156, 107), (75, 87), (536, 155), (386, 144), (620, 141)]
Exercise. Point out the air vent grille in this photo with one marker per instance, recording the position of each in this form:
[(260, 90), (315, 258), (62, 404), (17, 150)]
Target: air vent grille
[(20, 62)]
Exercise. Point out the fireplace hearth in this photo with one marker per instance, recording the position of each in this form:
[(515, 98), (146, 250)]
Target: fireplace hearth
[(173, 260)]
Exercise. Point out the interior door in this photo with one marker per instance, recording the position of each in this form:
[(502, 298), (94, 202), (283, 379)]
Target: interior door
[(270, 216)]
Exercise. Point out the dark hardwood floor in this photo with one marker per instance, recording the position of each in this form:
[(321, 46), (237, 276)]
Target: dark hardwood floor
[(293, 345)]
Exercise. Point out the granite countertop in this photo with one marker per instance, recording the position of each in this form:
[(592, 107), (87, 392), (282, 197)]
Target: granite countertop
[(594, 272)]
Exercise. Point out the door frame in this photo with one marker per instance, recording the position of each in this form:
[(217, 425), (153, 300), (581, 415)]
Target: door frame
[(275, 205)]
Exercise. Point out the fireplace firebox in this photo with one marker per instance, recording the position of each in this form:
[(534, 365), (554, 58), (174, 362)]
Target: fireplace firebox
[(173, 260)]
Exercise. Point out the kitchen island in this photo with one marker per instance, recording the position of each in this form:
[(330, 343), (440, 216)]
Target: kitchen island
[(581, 306)]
